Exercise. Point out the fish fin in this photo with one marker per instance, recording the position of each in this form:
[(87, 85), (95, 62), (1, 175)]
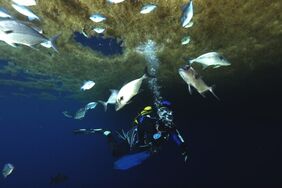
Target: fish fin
[(9, 31), (113, 90), (105, 104), (211, 90), (203, 95), (204, 66), (11, 44), (216, 67), (190, 90), (33, 47), (52, 40), (31, 18), (190, 61)]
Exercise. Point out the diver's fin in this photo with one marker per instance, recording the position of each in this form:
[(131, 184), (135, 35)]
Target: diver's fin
[(105, 104), (211, 90), (52, 40)]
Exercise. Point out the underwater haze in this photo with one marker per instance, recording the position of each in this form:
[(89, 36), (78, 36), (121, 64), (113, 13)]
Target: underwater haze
[(226, 105)]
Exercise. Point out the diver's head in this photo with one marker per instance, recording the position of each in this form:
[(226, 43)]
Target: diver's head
[(165, 113)]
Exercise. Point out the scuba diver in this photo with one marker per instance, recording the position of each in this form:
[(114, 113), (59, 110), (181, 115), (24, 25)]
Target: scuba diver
[(151, 129)]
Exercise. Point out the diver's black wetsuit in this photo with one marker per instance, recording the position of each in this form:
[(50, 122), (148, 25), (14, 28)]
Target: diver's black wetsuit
[(153, 132)]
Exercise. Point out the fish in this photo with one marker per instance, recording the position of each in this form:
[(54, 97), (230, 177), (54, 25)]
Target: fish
[(185, 40), (128, 91), (4, 13), (99, 29), (90, 105), (25, 11), (87, 85), (97, 18), (84, 33), (111, 100), (190, 24), (148, 8), (7, 169), (80, 113), (211, 59), (25, 2), (16, 32), (115, 1), (192, 78), (187, 14), (66, 114)]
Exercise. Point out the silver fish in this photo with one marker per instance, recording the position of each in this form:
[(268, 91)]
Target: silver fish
[(128, 91), (7, 170), (192, 78), (16, 32), (90, 106), (87, 85), (4, 13), (187, 14), (111, 100), (25, 2), (80, 113), (115, 1), (25, 11), (211, 59), (185, 40), (97, 18), (148, 8), (99, 29)]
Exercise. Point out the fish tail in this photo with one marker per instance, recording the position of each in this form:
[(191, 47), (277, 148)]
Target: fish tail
[(52, 40), (105, 104), (190, 61), (211, 90)]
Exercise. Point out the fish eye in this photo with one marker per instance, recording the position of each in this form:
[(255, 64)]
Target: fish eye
[(221, 57), (121, 98)]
